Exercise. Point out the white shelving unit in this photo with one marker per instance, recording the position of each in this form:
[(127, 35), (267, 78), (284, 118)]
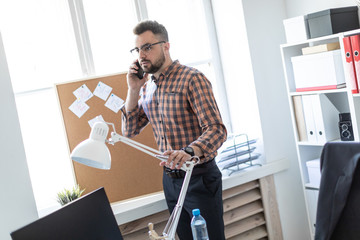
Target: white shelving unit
[(342, 99)]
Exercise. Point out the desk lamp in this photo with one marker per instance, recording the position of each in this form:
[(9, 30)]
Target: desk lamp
[(93, 152)]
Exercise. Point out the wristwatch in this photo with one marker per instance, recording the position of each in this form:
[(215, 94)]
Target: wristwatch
[(189, 150)]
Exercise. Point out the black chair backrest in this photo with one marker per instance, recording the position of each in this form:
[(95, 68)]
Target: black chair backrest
[(87, 218)]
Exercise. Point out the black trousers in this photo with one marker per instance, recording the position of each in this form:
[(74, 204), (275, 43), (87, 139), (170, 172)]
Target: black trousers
[(205, 193)]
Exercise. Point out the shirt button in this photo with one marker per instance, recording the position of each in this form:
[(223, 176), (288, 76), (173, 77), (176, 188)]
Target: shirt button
[(162, 138)]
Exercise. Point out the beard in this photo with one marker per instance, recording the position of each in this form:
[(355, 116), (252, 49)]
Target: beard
[(155, 67)]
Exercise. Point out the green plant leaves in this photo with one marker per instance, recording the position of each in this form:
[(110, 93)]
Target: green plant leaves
[(67, 195)]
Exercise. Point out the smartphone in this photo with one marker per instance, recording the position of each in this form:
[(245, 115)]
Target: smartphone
[(140, 73)]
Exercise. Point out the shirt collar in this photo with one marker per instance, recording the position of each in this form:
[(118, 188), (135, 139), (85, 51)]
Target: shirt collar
[(167, 71)]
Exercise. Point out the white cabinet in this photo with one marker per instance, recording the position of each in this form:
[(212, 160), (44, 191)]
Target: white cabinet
[(328, 104)]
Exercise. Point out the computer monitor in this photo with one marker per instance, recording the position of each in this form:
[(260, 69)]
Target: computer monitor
[(87, 218)]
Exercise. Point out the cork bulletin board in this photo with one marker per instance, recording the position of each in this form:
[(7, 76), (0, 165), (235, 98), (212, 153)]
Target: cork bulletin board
[(133, 173)]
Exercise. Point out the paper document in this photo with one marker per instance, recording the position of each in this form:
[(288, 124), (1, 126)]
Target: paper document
[(114, 103), (96, 119), (83, 93), (79, 107), (102, 91)]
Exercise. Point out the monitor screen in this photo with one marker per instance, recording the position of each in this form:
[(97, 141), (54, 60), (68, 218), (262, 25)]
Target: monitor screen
[(87, 218)]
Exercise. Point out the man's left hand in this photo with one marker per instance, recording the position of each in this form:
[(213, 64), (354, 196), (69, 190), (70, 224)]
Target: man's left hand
[(176, 158)]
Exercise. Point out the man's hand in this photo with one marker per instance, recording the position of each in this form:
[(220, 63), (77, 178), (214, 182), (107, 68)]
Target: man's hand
[(134, 86), (134, 83), (176, 158)]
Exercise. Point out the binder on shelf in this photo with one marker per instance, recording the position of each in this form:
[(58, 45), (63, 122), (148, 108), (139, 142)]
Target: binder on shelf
[(355, 45), (309, 119), (299, 118), (326, 118), (350, 67), (321, 118)]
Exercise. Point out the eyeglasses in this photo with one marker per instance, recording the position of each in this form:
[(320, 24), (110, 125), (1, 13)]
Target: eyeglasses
[(145, 49)]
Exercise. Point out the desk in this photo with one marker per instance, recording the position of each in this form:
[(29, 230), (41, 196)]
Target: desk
[(134, 214)]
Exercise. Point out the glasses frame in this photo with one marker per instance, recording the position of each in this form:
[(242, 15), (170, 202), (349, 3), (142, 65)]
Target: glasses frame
[(145, 48)]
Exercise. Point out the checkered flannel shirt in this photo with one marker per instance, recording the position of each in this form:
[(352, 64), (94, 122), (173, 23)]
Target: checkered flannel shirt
[(181, 108)]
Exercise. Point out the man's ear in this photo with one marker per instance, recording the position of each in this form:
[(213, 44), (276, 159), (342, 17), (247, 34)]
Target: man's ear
[(167, 46)]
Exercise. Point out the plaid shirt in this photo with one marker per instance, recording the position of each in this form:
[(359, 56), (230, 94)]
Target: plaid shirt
[(181, 108)]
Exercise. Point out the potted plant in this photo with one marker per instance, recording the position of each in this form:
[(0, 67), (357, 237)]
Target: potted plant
[(68, 195)]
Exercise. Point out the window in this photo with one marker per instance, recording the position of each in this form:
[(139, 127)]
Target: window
[(110, 26), (45, 145), (43, 47), (39, 43), (41, 50), (187, 29)]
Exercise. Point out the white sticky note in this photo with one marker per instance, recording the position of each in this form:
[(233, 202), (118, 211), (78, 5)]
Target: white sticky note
[(83, 93), (114, 103), (96, 119), (102, 91), (79, 107)]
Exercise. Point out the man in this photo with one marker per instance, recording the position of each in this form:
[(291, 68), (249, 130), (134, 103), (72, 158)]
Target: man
[(179, 103)]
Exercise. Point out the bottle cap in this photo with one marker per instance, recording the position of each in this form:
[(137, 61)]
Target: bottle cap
[(196, 212)]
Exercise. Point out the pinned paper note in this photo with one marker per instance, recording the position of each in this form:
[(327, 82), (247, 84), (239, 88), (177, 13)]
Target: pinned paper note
[(96, 119), (83, 93), (102, 91), (114, 103), (79, 107)]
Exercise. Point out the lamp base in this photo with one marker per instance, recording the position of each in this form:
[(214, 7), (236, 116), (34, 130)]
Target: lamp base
[(154, 236)]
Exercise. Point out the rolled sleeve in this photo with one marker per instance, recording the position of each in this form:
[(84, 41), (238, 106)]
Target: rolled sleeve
[(132, 121), (204, 105)]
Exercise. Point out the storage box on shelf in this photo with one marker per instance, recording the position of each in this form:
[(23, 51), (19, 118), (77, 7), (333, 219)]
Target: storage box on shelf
[(332, 21), (321, 48), (313, 168), (318, 71), (296, 29)]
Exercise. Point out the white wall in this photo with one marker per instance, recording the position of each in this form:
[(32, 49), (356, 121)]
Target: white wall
[(17, 203), (296, 8), (264, 29)]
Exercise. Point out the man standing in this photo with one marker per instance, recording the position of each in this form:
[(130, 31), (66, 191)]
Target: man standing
[(178, 102)]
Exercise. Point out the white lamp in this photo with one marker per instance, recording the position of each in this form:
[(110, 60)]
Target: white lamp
[(93, 152)]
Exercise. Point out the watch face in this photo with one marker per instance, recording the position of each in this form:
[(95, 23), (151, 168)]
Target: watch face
[(189, 150)]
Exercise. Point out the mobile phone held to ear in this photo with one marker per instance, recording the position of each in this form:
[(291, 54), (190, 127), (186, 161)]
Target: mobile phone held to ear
[(140, 73)]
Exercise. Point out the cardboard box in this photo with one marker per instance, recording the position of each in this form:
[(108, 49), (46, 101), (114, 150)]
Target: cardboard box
[(313, 167), (320, 71), (296, 29), (321, 48), (333, 21)]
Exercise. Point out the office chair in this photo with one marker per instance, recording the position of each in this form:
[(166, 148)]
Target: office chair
[(338, 211)]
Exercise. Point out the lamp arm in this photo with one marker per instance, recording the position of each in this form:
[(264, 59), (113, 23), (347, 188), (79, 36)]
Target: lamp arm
[(170, 228), (115, 137)]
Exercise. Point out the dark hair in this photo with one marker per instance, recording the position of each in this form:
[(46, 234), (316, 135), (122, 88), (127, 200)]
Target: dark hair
[(153, 26)]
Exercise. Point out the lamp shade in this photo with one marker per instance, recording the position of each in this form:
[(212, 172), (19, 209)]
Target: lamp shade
[(93, 151)]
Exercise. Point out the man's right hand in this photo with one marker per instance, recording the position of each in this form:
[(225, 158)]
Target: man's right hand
[(134, 83), (134, 86)]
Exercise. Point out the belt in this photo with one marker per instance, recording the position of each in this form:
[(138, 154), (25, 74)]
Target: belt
[(198, 169)]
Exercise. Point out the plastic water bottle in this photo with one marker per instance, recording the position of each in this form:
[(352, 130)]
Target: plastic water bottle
[(198, 226)]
